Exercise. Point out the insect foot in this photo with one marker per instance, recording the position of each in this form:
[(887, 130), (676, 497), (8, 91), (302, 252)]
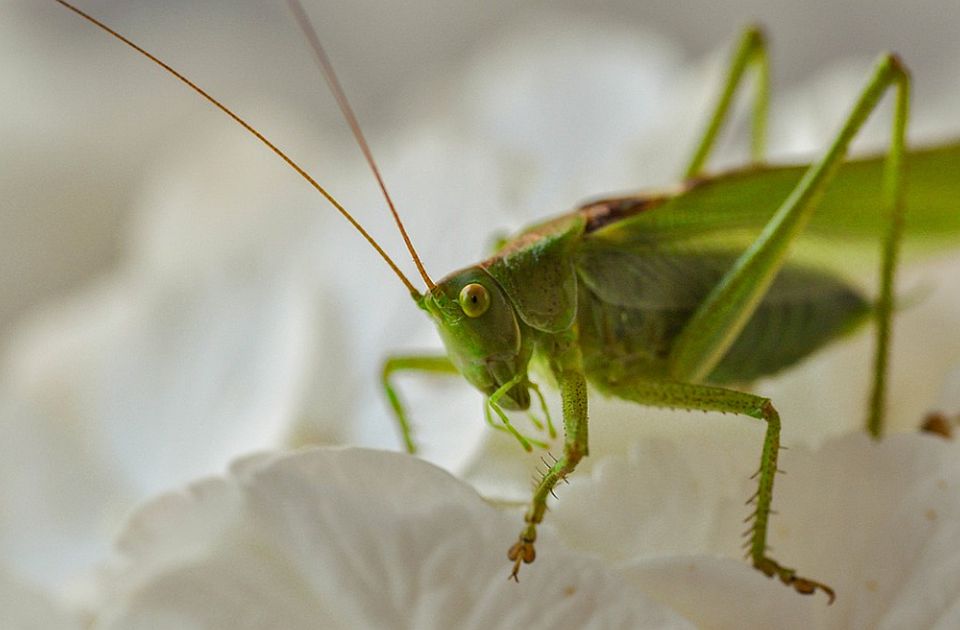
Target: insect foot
[(804, 586), (522, 551), (937, 423)]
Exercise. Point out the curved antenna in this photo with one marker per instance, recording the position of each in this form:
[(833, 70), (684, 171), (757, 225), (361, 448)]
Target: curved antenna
[(259, 136), (323, 61)]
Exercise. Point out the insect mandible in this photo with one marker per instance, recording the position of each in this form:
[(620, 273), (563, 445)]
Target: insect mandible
[(658, 299)]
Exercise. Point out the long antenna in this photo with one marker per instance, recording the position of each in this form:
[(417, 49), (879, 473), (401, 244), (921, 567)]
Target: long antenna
[(283, 156), (323, 61)]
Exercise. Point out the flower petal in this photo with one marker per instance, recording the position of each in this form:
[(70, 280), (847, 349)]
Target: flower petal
[(875, 521), (23, 607), (128, 389), (352, 538)]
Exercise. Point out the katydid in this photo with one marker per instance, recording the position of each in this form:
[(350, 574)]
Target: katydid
[(672, 298)]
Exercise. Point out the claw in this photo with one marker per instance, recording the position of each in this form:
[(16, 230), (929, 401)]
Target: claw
[(809, 587), (522, 552), (802, 585), (937, 423)]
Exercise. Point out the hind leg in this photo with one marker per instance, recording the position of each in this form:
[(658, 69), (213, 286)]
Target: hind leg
[(706, 398)]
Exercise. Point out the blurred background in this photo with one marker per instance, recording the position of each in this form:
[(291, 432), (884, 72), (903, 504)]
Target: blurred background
[(68, 85), (171, 296)]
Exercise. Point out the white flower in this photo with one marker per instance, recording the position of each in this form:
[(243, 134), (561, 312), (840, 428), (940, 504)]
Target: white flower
[(875, 521), (27, 608), (142, 382), (242, 317), (353, 538), (350, 539)]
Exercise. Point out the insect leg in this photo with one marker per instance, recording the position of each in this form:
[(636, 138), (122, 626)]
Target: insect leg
[(567, 366), (752, 50), (893, 176), (493, 402), (708, 398), (720, 318), (438, 364), (551, 431)]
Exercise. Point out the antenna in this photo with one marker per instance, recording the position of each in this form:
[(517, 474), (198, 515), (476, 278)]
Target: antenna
[(259, 136), (323, 62)]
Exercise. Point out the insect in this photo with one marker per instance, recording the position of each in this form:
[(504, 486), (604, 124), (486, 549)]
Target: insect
[(671, 299)]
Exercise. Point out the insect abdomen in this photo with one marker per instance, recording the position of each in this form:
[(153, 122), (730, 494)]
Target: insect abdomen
[(631, 308), (787, 328)]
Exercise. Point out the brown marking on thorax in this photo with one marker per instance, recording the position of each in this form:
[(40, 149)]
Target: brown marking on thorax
[(606, 211)]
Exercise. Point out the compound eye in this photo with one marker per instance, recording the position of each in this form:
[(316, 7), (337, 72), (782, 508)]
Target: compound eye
[(474, 299)]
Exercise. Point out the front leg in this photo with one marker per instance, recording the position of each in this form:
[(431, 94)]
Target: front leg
[(436, 364), (566, 363)]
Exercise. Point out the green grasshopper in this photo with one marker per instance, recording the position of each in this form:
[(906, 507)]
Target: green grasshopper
[(670, 299)]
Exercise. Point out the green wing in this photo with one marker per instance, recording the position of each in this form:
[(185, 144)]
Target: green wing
[(728, 210), (651, 265)]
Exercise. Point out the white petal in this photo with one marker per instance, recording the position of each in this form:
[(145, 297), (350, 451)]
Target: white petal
[(132, 388), (875, 521), (355, 538), (670, 496), (25, 608), (723, 593), (548, 130)]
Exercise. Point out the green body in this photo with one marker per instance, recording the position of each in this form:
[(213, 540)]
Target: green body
[(629, 300), (628, 273), (679, 299)]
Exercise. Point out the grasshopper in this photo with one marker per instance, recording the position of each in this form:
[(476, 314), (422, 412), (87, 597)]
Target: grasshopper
[(670, 299)]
